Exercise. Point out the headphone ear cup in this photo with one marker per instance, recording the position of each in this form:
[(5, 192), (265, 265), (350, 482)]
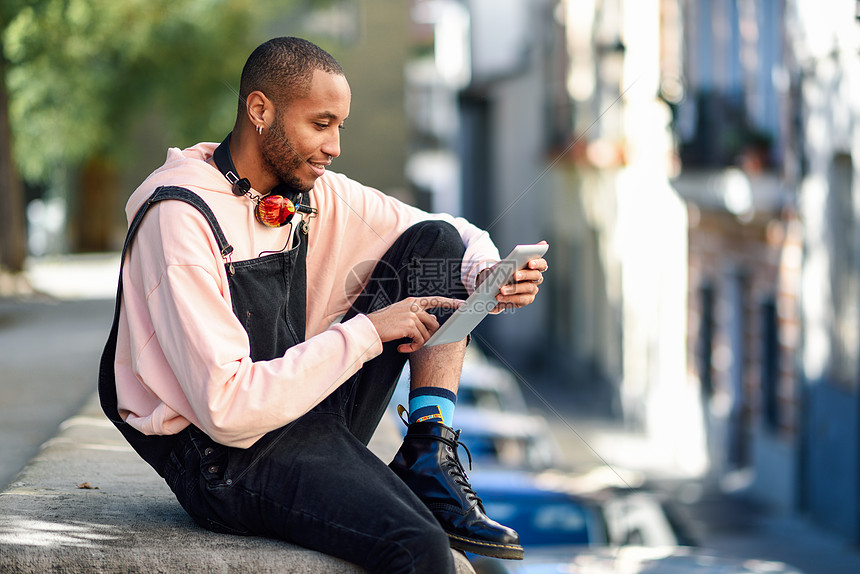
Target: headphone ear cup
[(274, 210)]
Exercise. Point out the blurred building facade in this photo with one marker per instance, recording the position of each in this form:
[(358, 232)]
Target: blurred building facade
[(744, 239), (691, 164), (765, 135), (550, 113), (825, 71)]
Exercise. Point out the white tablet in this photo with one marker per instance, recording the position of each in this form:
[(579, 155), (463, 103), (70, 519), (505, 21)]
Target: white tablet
[(483, 300)]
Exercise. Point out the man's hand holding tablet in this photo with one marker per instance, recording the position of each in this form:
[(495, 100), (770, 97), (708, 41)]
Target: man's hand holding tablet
[(511, 283)]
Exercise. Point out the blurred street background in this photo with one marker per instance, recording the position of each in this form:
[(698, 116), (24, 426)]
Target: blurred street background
[(690, 163)]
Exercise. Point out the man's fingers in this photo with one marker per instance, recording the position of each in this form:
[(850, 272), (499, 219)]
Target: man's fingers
[(425, 325), (524, 287), (425, 321), (525, 275), (519, 288), (420, 327), (539, 265)]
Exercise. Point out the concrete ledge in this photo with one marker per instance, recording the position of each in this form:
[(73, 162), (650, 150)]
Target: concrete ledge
[(88, 503)]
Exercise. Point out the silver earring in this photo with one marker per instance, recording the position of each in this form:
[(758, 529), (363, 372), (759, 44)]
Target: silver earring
[(260, 130)]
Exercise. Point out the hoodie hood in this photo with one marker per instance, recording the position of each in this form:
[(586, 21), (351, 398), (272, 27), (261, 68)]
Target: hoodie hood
[(182, 165)]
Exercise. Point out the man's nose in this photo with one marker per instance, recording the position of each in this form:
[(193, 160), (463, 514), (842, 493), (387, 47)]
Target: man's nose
[(332, 144)]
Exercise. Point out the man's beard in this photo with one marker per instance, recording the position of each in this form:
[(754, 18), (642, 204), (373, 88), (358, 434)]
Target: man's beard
[(281, 158)]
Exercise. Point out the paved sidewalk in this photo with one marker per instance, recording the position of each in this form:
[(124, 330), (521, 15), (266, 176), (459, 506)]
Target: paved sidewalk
[(87, 276), (84, 276), (54, 321)]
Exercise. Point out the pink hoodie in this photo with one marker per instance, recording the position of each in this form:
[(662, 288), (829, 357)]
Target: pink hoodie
[(182, 355)]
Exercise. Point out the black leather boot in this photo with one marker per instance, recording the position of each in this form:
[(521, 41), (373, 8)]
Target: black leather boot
[(428, 463)]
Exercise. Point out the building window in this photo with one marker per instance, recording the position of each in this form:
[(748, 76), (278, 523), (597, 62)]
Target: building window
[(770, 364), (843, 272), (706, 340)]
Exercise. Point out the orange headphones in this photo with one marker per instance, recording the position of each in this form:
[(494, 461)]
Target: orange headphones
[(272, 210)]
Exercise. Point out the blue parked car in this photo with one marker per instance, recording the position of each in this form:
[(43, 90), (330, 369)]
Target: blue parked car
[(552, 508), (565, 526)]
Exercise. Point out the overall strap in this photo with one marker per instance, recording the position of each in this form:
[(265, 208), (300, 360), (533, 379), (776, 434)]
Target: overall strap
[(161, 194), (153, 449), (182, 194)]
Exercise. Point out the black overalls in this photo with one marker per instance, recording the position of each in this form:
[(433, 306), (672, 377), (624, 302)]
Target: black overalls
[(312, 482)]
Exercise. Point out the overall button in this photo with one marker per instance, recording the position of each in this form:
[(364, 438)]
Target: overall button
[(213, 469), (208, 451)]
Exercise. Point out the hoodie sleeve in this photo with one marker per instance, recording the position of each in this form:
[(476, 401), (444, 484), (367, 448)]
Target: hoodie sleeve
[(375, 215)]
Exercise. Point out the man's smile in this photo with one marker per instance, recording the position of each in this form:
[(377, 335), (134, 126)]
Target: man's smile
[(319, 167)]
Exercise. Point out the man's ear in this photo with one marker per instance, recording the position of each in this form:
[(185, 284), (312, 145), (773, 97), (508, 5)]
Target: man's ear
[(259, 109)]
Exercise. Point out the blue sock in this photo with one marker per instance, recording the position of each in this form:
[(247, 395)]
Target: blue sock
[(431, 404)]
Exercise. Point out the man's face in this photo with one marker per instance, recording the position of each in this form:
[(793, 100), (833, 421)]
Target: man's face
[(305, 135)]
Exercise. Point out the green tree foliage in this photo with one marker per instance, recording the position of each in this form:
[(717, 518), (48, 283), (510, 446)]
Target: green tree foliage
[(86, 77), (82, 74)]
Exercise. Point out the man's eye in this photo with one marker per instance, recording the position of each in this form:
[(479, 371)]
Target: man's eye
[(321, 126)]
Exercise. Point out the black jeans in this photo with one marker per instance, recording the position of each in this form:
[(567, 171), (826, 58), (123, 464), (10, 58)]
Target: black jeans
[(314, 482)]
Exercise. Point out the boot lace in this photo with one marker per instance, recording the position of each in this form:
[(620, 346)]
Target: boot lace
[(455, 469)]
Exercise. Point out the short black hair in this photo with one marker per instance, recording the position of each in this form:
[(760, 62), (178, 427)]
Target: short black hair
[(282, 68)]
